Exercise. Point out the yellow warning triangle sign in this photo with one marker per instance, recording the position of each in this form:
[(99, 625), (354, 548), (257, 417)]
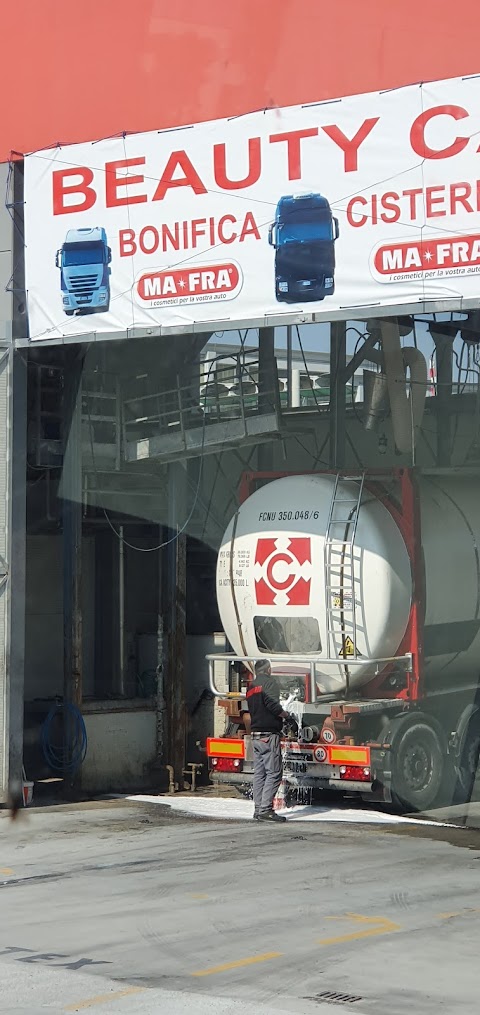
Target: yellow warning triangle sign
[(348, 647)]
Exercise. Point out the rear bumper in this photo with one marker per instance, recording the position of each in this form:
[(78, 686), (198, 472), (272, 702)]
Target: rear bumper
[(337, 785), (300, 772), (304, 782), (232, 778)]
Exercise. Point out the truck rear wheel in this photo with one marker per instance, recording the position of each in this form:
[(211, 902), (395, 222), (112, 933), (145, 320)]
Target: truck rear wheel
[(417, 759), (467, 767)]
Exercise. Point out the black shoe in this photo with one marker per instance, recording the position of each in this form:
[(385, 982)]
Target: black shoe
[(271, 816), (256, 815)]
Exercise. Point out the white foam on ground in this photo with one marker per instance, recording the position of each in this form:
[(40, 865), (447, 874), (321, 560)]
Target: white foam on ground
[(225, 808)]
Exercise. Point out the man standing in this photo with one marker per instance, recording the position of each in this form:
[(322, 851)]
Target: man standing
[(266, 715)]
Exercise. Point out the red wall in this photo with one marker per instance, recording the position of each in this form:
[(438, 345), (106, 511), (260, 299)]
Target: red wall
[(72, 72)]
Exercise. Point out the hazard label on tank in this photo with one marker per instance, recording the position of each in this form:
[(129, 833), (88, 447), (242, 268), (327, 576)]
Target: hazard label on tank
[(348, 647), (347, 601)]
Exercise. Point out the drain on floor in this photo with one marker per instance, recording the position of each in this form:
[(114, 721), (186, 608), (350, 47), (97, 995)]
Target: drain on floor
[(333, 997)]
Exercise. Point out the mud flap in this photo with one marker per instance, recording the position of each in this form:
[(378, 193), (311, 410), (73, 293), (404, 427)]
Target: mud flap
[(468, 728), (382, 771)]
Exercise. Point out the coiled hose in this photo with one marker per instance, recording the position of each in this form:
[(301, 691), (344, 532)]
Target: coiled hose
[(67, 758)]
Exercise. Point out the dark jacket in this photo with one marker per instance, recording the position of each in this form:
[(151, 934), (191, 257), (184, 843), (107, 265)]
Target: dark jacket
[(265, 709)]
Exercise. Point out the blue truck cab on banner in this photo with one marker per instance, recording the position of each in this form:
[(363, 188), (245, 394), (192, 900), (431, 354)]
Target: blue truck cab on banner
[(303, 235), (84, 273)]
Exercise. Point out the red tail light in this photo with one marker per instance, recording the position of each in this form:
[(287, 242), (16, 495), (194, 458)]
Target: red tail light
[(226, 764), (355, 773)]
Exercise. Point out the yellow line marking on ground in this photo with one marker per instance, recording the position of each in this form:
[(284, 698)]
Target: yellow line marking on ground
[(239, 962), (6, 870), (199, 896), (91, 1002), (458, 912), (381, 925)]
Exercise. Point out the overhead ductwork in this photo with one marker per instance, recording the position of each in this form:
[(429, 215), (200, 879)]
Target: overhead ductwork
[(375, 397), (407, 412), (407, 400)]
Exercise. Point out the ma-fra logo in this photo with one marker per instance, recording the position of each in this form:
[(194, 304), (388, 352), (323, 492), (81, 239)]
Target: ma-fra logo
[(283, 571), (189, 285)]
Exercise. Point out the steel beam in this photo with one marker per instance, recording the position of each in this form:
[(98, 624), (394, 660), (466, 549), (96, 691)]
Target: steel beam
[(289, 366), (338, 349), (267, 380), (160, 699), (174, 582), (106, 612), (71, 490), (356, 361), (14, 586), (444, 351)]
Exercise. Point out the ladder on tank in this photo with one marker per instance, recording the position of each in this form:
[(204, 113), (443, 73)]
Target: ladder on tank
[(341, 624)]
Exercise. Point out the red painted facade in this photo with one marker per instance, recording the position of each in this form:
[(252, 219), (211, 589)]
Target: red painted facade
[(69, 74)]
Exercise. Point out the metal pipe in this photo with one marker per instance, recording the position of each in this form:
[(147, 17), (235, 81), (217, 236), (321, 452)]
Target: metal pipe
[(295, 377), (395, 360), (313, 683), (316, 659), (289, 368), (121, 613), (379, 664), (171, 778)]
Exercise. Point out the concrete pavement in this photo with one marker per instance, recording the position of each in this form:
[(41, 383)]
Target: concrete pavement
[(126, 907)]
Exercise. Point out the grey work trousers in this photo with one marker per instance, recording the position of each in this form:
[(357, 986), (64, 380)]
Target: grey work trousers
[(267, 770)]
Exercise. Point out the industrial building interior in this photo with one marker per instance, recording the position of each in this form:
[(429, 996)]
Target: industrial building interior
[(135, 453)]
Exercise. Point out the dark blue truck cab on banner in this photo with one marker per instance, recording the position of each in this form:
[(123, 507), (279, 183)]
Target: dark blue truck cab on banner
[(303, 235)]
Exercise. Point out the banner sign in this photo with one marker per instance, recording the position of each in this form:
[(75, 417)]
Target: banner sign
[(367, 203)]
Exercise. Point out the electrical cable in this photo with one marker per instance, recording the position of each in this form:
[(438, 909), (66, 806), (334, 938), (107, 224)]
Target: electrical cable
[(69, 757), (414, 333), (217, 473), (461, 370), (352, 386)]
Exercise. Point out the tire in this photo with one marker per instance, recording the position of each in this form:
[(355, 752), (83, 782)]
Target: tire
[(418, 761), (69, 313)]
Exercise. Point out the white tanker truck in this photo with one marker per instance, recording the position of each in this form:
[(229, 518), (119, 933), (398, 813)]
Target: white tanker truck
[(364, 592)]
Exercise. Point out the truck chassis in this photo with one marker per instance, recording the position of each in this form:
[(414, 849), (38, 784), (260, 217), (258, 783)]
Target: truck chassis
[(394, 743)]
